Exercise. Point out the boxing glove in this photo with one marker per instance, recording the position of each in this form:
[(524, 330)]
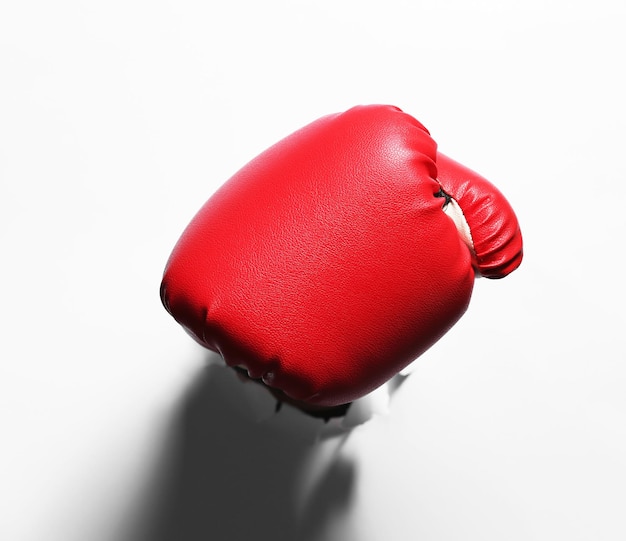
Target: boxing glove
[(338, 256)]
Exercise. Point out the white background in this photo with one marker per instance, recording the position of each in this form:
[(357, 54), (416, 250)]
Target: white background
[(119, 118)]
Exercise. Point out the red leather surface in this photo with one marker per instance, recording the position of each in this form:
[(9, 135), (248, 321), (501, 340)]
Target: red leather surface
[(494, 226), (326, 264)]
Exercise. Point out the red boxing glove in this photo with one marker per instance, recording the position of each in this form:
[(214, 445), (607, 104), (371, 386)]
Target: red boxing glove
[(339, 255)]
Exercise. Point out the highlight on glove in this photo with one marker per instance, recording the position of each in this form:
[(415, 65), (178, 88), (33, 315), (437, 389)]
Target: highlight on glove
[(338, 256)]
